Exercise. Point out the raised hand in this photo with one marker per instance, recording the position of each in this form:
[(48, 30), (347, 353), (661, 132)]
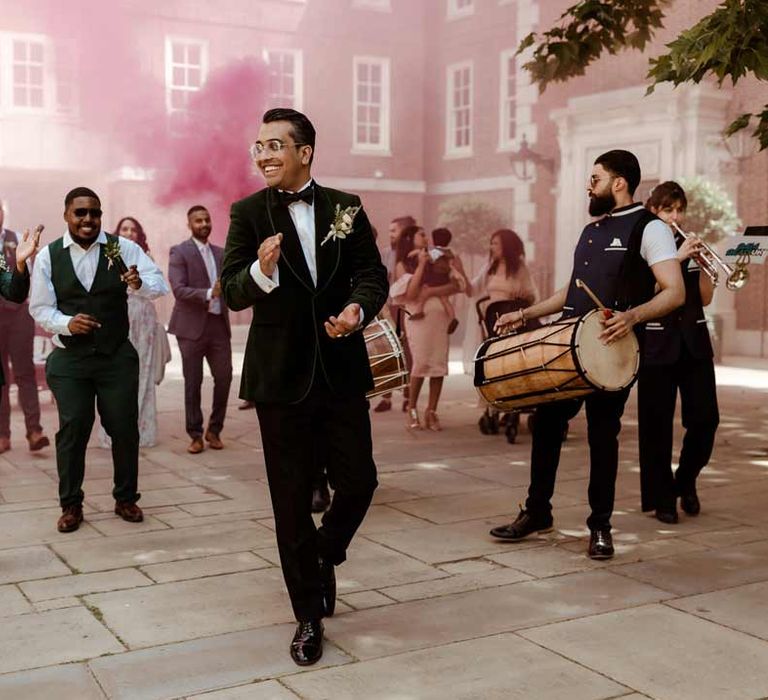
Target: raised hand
[(132, 278), (27, 247), (269, 254)]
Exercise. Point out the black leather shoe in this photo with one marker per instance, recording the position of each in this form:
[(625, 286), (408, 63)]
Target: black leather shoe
[(689, 502), (600, 544), (307, 644), (321, 499), (523, 526), (667, 516), (328, 587)]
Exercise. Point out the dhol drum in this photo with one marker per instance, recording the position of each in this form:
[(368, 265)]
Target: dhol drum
[(562, 360), (386, 357)]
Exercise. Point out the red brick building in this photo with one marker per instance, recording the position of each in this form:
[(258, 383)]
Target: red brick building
[(417, 104)]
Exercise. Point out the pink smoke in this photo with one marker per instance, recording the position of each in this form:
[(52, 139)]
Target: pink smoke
[(205, 160)]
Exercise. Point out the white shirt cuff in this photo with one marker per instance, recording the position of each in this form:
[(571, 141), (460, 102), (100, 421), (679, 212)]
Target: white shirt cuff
[(208, 295), (266, 284)]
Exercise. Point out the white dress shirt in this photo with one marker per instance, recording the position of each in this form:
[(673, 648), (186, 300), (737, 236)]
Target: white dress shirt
[(43, 305), (214, 304), (303, 217)]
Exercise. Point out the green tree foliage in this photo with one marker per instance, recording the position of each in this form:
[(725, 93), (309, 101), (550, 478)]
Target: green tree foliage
[(711, 213), (471, 221), (729, 43)]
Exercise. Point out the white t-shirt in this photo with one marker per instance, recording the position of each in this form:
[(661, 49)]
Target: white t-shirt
[(658, 243)]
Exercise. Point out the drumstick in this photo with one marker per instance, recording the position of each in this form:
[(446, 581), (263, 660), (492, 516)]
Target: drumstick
[(607, 313)]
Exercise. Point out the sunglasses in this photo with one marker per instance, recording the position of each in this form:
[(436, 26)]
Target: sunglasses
[(82, 212)]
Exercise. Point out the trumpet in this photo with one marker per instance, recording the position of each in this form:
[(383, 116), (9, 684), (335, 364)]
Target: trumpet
[(712, 264)]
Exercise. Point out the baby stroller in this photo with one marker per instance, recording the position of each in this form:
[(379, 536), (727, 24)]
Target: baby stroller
[(493, 420)]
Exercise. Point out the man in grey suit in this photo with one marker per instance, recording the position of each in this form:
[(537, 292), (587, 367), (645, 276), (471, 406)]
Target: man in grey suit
[(200, 322)]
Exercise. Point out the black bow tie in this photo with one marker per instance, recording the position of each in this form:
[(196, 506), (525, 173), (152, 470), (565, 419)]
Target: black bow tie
[(306, 195)]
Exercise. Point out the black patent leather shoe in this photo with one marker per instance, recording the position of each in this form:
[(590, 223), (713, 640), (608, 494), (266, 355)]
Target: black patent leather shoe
[(524, 525), (667, 516), (689, 502), (600, 544), (328, 587), (307, 644), (321, 499)]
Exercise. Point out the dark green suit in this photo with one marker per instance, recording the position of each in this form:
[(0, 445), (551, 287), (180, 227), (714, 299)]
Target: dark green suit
[(309, 389), (100, 368), (14, 286)]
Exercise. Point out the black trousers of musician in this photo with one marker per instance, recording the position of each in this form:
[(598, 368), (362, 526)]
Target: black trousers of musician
[(657, 395), (79, 381), (290, 435), (604, 411)]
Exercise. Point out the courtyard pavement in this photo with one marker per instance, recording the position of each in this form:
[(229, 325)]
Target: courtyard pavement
[(191, 604)]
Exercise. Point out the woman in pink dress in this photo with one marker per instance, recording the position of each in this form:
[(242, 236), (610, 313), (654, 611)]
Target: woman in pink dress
[(428, 335)]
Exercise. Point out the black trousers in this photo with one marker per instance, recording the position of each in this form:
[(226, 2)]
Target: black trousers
[(291, 435), (110, 382), (657, 396), (604, 411), (17, 337), (215, 347)]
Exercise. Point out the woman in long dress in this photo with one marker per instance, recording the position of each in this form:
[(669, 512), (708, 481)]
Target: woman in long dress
[(148, 337), (505, 277), (427, 336)]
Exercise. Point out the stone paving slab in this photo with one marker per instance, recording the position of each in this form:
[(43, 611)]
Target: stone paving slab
[(12, 602), (268, 690), (65, 682), (699, 572), (457, 583), (167, 545), (502, 667), (55, 637), (738, 608), (82, 584), (29, 563), (664, 653), (172, 671), (179, 611), (413, 625), (442, 543), (370, 565), (469, 506), (206, 566), (37, 527)]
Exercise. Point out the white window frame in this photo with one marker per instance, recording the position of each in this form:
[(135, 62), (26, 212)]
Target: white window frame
[(170, 87), (383, 147), (507, 102), (451, 149), (453, 11), (298, 74), (375, 5)]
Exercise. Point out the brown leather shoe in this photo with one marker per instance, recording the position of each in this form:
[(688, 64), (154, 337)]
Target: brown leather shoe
[(71, 517), (196, 446), (129, 512), (37, 441), (5, 444), (214, 441)]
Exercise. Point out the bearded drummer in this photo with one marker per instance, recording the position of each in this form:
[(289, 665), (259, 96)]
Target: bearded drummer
[(623, 257)]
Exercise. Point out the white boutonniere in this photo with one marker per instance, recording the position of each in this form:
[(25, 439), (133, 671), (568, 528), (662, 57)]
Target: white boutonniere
[(114, 257), (342, 223), (3, 263)]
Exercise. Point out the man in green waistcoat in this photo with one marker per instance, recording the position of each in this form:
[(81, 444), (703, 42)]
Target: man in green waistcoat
[(80, 288), (14, 284)]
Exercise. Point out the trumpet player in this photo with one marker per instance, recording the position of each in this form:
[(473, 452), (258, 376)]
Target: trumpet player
[(677, 356)]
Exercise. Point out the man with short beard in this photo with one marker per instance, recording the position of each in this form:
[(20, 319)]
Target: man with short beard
[(621, 257), (80, 294)]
